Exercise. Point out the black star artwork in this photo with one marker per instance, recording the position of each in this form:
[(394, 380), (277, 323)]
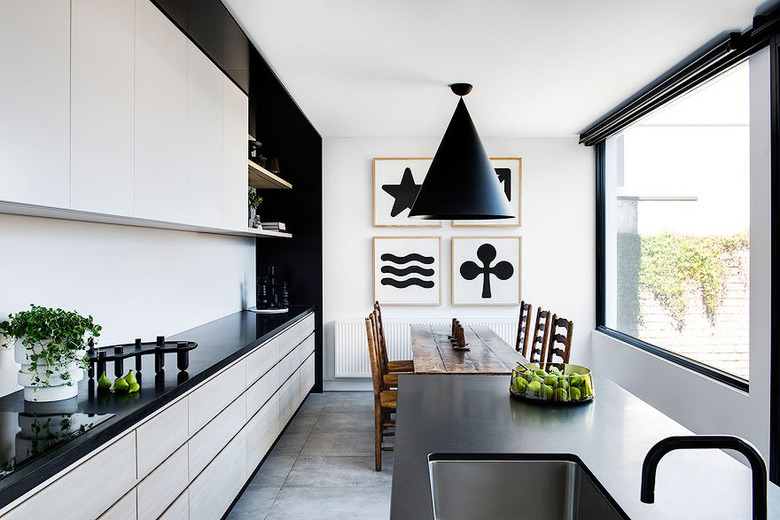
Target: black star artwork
[(404, 193)]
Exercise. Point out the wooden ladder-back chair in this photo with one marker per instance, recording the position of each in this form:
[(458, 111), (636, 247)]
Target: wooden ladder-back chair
[(539, 337), (402, 365), (557, 338), (385, 400), (521, 343)]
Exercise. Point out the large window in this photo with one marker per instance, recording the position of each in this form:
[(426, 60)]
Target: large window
[(677, 226)]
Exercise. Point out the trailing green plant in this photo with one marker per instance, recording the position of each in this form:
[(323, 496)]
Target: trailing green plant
[(254, 199), (672, 262), (54, 338)]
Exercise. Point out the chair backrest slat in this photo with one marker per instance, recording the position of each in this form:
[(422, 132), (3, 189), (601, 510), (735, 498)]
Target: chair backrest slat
[(521, 343), (556, 337), (381, 337), (376, 375), (539, 339)]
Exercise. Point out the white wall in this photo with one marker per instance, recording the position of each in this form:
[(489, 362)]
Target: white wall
[(135, 282), (558, 237), (695, 401)]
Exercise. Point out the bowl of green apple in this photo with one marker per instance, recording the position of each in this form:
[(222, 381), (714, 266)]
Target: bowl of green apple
[(559, 384)]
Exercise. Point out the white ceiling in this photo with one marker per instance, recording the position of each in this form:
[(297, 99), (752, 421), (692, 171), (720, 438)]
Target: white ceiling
[(380, 68)]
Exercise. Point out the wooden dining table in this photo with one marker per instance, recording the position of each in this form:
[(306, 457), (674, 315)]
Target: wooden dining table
[(432, 351)]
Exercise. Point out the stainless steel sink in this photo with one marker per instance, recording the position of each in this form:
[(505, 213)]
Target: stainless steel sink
[(514, 486)]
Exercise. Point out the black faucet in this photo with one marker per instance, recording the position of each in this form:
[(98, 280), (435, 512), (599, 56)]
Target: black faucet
[(695, 442)]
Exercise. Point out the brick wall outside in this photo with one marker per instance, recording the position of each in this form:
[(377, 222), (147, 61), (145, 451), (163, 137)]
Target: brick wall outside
[(724, 345)]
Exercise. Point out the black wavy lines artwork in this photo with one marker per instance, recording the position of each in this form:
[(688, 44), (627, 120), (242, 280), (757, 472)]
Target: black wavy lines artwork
[(486, 253), (389, 269), (409, 275), (411, 257), (403, 284)]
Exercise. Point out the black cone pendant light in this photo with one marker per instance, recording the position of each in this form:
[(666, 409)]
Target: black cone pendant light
[(461, 183)]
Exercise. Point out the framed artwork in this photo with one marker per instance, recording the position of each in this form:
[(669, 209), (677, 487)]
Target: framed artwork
[(407, 270), (486, 270), (396, 183), (510, 173)]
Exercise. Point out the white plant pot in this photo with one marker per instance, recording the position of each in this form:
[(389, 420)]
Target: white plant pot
[(57, 389)]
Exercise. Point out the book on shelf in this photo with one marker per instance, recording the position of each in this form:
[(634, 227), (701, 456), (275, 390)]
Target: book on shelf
[(274, 226)]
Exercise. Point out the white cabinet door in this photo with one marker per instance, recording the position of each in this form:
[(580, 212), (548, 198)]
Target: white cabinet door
[(161, 435), (205, 444), (217, 486), (75, 495), (102, 106), (161, 487), (204, 140), (124, 509), (235, 124), (160, 117), (35, 102)]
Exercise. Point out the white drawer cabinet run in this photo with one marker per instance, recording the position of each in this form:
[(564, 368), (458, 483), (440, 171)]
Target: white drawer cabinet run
[(190, 459)]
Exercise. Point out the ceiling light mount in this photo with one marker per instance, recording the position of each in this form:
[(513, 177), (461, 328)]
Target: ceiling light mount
[(461, 89)]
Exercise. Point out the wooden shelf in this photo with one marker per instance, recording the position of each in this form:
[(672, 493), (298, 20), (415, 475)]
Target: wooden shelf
[(261, 178), (267, 233), (31, 210)]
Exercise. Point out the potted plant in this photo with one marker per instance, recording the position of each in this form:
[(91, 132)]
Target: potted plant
[(254, 204), (51, 346)]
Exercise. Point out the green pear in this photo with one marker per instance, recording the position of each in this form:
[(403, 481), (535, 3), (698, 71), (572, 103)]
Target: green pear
[(134, 387), (561, 395), (130, 378), (104, 383), (120, 385), (575, 393), (547, 391)]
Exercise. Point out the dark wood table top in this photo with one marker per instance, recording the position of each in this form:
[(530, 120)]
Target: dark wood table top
[(489, 355)]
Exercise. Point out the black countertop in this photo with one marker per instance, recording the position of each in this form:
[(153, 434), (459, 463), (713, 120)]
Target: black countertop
[(220, 342), (611, 435)]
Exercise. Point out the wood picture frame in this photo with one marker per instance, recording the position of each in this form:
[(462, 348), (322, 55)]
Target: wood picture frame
[(489, 281), (407, 270), (510, 172), (393, 193)]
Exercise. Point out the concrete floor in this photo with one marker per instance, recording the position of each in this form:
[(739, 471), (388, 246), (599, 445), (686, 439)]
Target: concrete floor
[(323, 466)]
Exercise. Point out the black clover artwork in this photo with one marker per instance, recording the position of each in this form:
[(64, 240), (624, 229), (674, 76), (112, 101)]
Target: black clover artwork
[(486, 253), (403, 193)]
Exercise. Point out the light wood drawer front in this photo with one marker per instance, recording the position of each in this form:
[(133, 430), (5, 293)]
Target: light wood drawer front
[(307, 375), (288, 397), (217, 486), (261, 432), (157, 491), (75, 495), (161, 436), (305, 348), (293, 336), (179, 510), (288, 365), (260, 361), (212, 397), (215, 435), (122, 510), (258, 393)]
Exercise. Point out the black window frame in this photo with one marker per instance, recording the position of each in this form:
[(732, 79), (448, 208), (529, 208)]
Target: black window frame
[(720, 54)]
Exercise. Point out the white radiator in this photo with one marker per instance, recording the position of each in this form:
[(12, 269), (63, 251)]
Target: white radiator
[(352, 345)]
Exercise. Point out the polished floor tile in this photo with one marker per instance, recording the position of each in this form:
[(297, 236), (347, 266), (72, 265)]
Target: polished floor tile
[(294, 503), (322, 466)]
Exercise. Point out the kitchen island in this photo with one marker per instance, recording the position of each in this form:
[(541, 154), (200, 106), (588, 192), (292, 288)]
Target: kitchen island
[(247, 376), (611, 435)]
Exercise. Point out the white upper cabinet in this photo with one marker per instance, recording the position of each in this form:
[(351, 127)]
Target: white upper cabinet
[(102, 101), (160, 117), (235, 121), (35, 102), (204, 140)]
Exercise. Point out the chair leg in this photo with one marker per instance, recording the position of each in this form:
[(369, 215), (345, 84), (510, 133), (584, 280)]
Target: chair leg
[(378, 437)]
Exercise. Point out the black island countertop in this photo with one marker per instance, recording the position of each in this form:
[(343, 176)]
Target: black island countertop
[(220, 342), (611, 435)]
